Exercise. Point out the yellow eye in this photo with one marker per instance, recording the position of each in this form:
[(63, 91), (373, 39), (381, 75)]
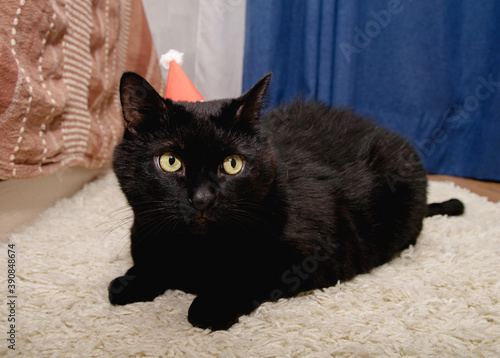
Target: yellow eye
[(233, 164), (170, 162)]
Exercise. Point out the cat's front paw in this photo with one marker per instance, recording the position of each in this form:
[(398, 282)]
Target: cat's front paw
[(213, 313), (119, 290), (132, 288)]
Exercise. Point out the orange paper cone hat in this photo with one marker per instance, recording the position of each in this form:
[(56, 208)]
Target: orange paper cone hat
[(179, 87)]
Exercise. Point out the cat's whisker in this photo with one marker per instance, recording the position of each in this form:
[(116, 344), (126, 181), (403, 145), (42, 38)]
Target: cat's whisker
[(100, 240), (241, 218), (125, 244), (116, 224), (111, 215), (126, 220), (154, 225)]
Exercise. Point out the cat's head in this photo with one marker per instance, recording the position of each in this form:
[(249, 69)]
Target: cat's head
[(193, 166)]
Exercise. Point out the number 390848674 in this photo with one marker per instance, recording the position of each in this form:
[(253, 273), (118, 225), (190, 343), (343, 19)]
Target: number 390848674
[(11, 271)]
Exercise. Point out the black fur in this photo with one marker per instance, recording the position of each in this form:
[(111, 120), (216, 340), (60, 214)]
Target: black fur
[(324, 195)]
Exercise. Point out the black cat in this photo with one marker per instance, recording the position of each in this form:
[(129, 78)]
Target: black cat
[(241, 209)]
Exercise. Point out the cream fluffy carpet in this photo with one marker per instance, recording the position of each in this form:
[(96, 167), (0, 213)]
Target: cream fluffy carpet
[(439, 298)]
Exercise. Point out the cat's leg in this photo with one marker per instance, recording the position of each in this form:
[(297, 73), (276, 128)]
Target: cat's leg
[(219, 311), (137, 285), (221, 308)]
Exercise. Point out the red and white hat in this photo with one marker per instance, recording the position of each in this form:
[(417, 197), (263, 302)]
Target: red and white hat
[(179, 87)]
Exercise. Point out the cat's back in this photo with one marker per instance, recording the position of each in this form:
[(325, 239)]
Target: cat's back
[(315, 132)]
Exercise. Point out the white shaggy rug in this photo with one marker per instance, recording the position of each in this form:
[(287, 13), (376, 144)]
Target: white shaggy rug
[(439, 298)]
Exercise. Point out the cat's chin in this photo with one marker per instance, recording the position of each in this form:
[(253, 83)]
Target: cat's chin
[(199, 224), (198, 229)]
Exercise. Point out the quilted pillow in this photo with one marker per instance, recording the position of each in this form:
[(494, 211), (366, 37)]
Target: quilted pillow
[(61, 65)]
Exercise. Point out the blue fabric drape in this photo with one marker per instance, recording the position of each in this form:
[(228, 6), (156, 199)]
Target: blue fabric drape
[(429, 70)]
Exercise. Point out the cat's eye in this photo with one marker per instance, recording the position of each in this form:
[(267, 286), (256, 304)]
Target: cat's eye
[(170, 162), (233, 164)]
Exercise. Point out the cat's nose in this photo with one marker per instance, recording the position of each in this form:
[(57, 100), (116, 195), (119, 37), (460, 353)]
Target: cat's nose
[(203, 198)]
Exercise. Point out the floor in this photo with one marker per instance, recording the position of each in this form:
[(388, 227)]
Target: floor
[(22, 200), (489, 189)]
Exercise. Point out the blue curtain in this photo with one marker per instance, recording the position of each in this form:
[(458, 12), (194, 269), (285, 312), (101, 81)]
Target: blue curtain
[(429, 70)]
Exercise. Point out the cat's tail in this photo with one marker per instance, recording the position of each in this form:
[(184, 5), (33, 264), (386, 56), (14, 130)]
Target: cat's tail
[(452, 207)]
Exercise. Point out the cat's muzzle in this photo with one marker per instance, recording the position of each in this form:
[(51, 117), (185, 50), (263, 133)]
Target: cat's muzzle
[(199, 223)]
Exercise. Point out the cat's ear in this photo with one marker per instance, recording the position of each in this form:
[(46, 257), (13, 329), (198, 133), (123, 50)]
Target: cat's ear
[(253, 99), (141, 104)]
